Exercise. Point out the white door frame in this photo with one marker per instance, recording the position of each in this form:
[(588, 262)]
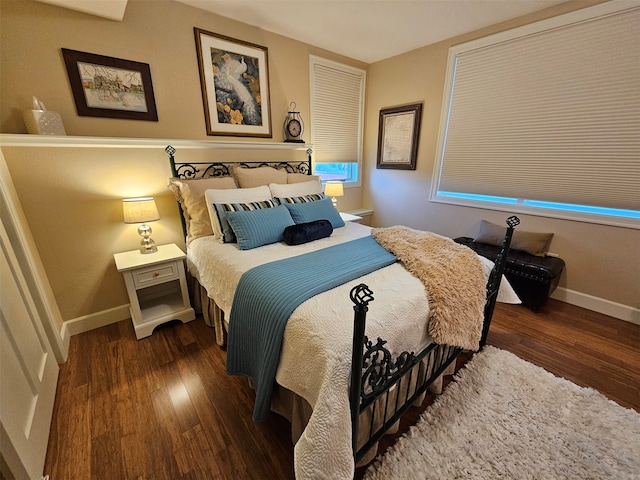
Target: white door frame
[(17, 228)]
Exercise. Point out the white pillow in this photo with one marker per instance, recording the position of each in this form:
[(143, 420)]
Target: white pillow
[(238, 195), (299, 189)]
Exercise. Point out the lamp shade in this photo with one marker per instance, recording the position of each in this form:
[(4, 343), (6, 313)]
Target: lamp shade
[(333, 189), (140, 210)]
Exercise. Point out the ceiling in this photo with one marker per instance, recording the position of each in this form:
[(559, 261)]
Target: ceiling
[(111, 9), (365, 30)]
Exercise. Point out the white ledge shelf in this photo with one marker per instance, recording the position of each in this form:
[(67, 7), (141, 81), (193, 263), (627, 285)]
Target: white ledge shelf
[(26, 140)]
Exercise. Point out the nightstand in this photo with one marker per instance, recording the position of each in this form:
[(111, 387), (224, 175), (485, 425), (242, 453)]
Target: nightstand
[(157, 287), (347, 217)]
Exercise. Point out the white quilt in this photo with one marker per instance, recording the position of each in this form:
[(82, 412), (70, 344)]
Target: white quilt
[(316, 350)]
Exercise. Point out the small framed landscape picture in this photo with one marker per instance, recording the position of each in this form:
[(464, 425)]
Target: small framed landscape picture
[(234, 76), (110, 87), (398, 135)]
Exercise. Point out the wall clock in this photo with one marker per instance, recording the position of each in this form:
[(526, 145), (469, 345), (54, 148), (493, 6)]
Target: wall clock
[(293, 125)]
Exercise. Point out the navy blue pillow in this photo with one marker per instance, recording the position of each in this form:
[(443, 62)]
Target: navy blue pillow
[(319, 210), (307, 232)]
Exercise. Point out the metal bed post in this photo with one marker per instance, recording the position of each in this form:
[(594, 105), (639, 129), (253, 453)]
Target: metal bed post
[(170, 151), (360, 296), (493, 285), (309, 160)]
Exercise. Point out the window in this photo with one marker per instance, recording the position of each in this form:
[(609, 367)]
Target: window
[(545, 119), (337, 113)]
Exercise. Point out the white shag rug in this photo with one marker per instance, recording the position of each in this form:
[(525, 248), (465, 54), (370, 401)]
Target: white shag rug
[(505, 418)]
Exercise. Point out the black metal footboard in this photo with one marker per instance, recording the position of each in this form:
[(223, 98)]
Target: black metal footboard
[(383, 389)]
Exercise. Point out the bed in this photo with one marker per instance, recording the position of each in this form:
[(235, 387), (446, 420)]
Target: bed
[(345, 367)]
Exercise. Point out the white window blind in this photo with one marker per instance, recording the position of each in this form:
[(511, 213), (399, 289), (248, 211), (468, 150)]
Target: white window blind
[(337, 110), (547, 113)]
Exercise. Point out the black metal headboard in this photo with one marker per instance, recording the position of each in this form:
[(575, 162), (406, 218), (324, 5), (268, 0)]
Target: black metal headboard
[(193, 170)]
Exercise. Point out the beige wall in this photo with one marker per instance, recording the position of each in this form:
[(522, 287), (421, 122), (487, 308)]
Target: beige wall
[(72, 196), (159, 33), (602, 261)]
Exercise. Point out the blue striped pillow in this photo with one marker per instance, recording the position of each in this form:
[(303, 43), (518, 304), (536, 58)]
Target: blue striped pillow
[(221, 210), (319, 210), (254, 228)]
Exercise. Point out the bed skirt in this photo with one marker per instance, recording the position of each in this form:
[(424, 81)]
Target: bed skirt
[(285, 402), (212, 314)]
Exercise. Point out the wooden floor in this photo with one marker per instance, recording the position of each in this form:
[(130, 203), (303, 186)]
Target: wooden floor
[(163, 407)]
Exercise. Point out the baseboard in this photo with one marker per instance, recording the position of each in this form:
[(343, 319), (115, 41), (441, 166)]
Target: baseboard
[(65, 337), (96, 320), (600, 305)]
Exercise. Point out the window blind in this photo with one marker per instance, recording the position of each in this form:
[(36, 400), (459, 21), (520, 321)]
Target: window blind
[(551, 115), (337, 108)]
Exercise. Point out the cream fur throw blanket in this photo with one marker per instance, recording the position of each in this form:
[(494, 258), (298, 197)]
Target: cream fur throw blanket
[(453, 277)]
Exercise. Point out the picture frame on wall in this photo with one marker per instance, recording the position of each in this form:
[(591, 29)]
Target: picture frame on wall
[(110, 87), (234, 76), (398, 135)]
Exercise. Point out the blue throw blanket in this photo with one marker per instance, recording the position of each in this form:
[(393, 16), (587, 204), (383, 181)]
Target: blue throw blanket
[(268, 294)]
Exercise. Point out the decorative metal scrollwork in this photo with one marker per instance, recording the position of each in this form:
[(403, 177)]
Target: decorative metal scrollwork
[(187, 171), (190, 171), (286, 166), (216, 170), (378, 370)]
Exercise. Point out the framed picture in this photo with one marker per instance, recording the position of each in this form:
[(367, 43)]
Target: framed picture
[(234, 76), (398, 134), (110, 87)]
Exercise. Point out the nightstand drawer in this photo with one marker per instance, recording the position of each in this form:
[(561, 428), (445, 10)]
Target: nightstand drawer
[(145, 277)]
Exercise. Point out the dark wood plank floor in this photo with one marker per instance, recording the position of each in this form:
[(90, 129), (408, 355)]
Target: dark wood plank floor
[(163, 407)]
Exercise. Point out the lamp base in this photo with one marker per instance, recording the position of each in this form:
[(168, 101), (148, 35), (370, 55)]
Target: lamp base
[(147, 245)]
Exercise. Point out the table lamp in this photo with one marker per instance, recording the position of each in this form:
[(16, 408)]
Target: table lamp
[(333, 190), (142, 210)]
